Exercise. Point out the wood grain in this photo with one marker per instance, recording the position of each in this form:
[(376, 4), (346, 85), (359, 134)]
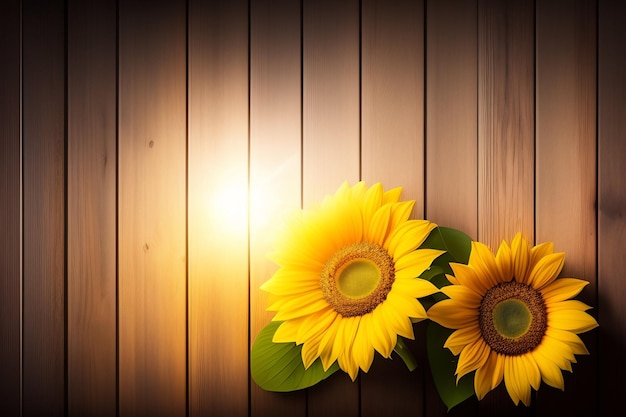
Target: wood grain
[(451, 138), (218, 200), (452, 114), (331, 141), (392, 152), (44, 268), (566, 169), (392, 104), (10, 210), (91, 251), (275, 163), (505, 138), (611, 203), (152, 209)]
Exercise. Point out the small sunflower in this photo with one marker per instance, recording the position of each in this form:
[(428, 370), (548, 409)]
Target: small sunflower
[(514, 319), (346, 284)]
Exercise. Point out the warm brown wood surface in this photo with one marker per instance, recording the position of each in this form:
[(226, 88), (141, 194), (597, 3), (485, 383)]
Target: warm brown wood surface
[(91, 209), (152, 210), (10, 209), (44, 219), (148, 155), (217, 196)]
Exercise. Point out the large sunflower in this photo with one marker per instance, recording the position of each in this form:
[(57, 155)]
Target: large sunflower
[(514, 319), (346, 283)]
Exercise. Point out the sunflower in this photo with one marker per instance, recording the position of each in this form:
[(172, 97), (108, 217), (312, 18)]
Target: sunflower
[(513, 318), (346, 284)]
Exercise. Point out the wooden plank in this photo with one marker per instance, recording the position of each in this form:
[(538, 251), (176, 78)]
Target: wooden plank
[(392, 110), (451, 114), (10, 210), (217, 225), (505, 137), (451, 137), (152, 209), (91, 248), (392, 146), (44, 268), (331, 138), (566, 170), (275, 162), (611, 202)]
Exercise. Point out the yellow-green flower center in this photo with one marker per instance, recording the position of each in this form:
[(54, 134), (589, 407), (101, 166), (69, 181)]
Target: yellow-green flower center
[(357, 278), (513, 318)]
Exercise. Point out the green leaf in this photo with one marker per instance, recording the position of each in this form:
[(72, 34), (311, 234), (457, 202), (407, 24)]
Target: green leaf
[(443, 367), (455, 242), (278, 366), (405, 354)]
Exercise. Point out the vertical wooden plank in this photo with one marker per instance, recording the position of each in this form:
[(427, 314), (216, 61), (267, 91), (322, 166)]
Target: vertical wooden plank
[(275, 162), (505, 136), (392, 125), (452, 114), (218, 226), (331, 154), (392, 111), (91, 281), (10, 209), (44, 207), (566, 170), (451, 136), (152, 206), (612, 202)]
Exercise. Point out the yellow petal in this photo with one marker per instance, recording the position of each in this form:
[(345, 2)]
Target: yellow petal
[(363, 351), (485, 375), (407, 237), (462, 337), (400, 212), (539, 251), (521, 257), (505, 262), (546, 270), (392, 196), (376, 231), (511, 381), (310, 352), (397, 321), (573, 320), (550, 372), (373, 201), (472, 357), (414, 287), (315, 324), (571, 339), (463, 295), (484, 263), (300, 306), (531, 370), (378, 334), (414, 263), (563, 289), (466, 276), (287, 332), (452, 315), (327, 343), (567, 305)]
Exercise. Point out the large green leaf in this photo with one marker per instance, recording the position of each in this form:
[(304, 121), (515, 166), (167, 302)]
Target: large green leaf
[(456, 243), (278, 366), (443, 366), (443, 363)]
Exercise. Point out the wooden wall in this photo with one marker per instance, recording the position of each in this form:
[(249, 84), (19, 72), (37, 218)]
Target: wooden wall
[(149, 150)]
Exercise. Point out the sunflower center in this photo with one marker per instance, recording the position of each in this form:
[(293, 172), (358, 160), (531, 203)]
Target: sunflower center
[(357, 278), (513, 318)]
